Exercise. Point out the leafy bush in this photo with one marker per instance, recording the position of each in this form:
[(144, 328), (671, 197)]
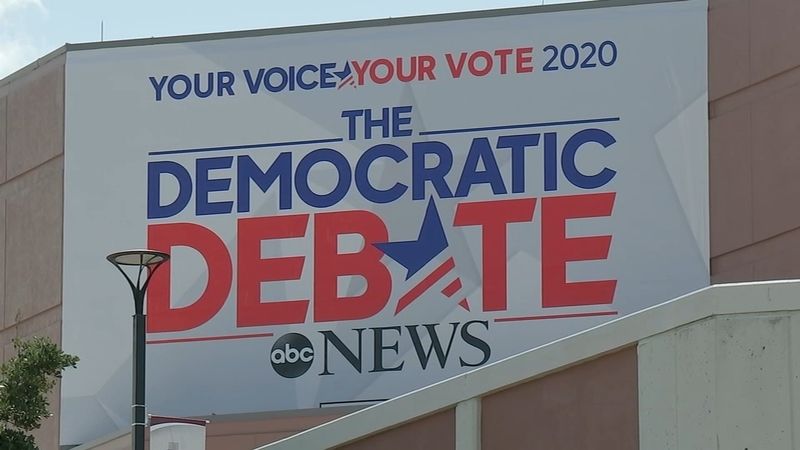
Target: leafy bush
[(25, 381)]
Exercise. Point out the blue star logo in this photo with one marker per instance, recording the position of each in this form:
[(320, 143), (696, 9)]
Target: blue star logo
[(345, 76), (345, 72), (414, 255)]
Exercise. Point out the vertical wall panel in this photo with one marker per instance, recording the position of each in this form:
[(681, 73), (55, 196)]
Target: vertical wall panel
[(752, 379), (695, 381), (794, 373), (658, 393), (726, 382), (3, 137)]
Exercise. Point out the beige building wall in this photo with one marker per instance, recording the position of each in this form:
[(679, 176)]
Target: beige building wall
[(754, 94), (31, 212)]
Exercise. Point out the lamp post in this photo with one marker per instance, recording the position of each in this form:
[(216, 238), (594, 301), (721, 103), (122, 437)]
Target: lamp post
[(147, 261)]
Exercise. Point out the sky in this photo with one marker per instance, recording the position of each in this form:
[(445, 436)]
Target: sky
[(30, 29)]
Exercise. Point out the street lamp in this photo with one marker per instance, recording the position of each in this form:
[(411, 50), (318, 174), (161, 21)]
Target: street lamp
[(147, 261)]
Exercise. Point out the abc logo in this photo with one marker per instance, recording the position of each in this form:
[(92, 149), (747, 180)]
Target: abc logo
[(292, 355)]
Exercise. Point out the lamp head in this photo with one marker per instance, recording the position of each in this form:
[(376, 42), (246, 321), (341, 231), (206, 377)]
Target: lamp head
[(147, 262), (138, 257)]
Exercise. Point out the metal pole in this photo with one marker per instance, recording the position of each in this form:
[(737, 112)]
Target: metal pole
[(138, 408), (146, 267)]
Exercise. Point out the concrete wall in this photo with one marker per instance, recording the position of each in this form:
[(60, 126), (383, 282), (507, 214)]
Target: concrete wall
[(714, 369), (725, 382), (31, 202), (754, 93)]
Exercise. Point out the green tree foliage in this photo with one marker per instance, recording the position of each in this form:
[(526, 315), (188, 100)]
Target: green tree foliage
[(25, 381)]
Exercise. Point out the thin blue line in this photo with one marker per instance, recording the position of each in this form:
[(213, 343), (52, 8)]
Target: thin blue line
[(245, 147), (514, 127)]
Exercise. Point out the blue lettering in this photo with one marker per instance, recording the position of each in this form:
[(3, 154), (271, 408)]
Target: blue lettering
[(300, 72), (304, 191), (431, 163), (420, 173), (517, 145), (370, 123), (389, 122), (480, 150), (362, 174), (158, 86), (324, 75), (199, 92), (181, 86), (225, 82), (247, 169), (291, 77), (253, 84), (397, 121), (206, 185), (187, 87), (281, 74), (568, 159), (154, 171), (351, 116), (550, 162)]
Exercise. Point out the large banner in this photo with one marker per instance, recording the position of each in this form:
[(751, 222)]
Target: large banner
[(357, 213)]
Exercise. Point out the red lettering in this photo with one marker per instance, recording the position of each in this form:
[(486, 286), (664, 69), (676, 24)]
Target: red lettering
[(162, 317), (361, 70), (558, 250), (405, 78), (455, 69), (523, 59), (329, 265), (494, 217), (373, 71), (426, 65), (252, 270), (487, 65), (503, 53)]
